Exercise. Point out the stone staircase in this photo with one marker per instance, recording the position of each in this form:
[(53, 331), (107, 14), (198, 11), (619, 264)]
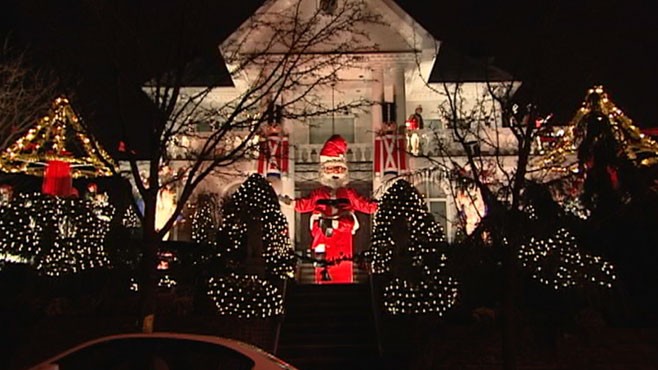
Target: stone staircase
[(329, 327)]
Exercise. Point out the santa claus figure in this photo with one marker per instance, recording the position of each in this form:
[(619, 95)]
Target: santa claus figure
[(333, 222)]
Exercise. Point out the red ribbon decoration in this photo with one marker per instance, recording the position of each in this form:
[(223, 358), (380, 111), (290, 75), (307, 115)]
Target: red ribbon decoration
[(57, 179)]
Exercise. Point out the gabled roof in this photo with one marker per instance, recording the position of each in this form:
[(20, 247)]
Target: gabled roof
[(450, 65), (207, 70), (57, 136), (453, 66), (259, 35)]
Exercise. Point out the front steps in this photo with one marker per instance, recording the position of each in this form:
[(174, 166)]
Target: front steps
[(329, 327)]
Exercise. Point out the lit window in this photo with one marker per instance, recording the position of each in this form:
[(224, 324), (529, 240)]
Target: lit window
[(435, 199)]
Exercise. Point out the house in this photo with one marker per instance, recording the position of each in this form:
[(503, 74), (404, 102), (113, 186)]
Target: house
[(397, 67)]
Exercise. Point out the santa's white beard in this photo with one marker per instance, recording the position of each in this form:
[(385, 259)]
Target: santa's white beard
[(334, 181)]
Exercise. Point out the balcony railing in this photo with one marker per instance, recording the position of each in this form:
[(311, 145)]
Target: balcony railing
[(442, 142), (310, 153), (433, 143), (190, 146)]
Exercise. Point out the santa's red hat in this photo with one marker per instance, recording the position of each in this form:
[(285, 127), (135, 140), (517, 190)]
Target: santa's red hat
[(334, 150)]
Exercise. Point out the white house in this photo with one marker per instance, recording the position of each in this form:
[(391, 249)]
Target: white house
[(407, 69)]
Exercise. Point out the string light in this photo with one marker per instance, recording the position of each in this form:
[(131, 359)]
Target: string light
[(130, 219), (167, 282), (640, 149), (249, 296), (402, 297), (560, 160), (51, 139), (557, 262), (433, 292), (575, 206), (56, 235), (256, 201), (245, 296), (204, 225)]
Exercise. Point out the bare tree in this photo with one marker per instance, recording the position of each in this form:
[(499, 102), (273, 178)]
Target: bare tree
[(493, 148), (26, 93), (487, 149), (490, 161), (286, 57)]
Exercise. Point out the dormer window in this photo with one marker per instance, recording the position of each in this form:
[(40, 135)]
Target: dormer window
[(328, 7)]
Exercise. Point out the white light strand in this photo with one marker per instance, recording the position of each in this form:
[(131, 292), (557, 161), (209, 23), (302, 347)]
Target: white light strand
[(435, 292), (557, 262), (204, 229), (245, 296), (56, 235), (256, 199), (249, 296)]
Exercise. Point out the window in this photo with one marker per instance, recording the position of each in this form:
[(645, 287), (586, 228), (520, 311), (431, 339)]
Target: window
[(435, 199), (320, 129)]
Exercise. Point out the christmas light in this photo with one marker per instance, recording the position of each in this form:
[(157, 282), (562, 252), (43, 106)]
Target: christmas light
[(57, 136), (130, 219), (205, 220), (557, 262), (403, 297), (249, 296), (56, 235), (256, 201), (245, 296), (560, 160), (432, 291), (576, 207), (167, 282)]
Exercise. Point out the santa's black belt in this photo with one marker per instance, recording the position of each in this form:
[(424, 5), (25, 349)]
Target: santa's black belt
[(333, 202)]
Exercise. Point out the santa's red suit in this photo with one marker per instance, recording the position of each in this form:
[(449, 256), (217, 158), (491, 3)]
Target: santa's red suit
[(333, 222)]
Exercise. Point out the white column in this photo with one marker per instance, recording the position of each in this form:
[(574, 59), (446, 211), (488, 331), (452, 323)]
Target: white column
[(377, 97), (400, 95), (288, 182)]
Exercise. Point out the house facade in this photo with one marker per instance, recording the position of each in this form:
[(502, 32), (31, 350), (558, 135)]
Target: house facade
[(408, 71)]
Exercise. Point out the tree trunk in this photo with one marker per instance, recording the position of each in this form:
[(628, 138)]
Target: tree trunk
[(510, 319), (148, 270)]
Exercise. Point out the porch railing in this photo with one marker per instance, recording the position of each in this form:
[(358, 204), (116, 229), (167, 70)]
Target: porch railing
[(310, 153)]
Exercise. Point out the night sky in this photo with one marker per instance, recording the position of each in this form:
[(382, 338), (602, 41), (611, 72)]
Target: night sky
[(558, 48)]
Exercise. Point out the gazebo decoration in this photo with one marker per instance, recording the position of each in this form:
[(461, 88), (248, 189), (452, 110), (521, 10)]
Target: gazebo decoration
[(639, 148), (55, 231), (57, 147)]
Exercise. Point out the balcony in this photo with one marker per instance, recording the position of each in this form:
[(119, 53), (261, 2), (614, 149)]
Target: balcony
[(433, 143), (310, 153), (439, 142), (188, 147)]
